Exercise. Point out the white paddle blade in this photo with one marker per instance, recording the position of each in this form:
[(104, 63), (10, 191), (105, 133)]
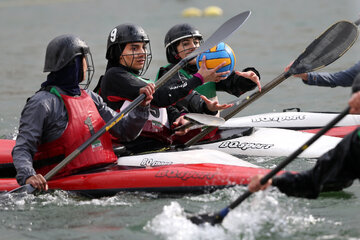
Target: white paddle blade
[(204, 119)]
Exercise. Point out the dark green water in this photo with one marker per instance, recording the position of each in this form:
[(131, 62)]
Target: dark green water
[(276, 33)]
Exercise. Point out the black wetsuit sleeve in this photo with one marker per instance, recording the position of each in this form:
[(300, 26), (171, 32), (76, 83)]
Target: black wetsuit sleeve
[(174, 90), (334, 170), (237, 85)]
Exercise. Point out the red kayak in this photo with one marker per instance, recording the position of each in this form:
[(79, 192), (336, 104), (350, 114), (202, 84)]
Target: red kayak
[(190, 171), (179, 178)]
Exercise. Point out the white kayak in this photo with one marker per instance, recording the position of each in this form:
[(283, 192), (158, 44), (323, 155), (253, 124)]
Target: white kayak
[(268, 142), (291, 120)]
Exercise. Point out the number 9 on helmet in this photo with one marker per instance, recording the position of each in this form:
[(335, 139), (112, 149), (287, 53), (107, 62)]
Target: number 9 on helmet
[(217, 55)]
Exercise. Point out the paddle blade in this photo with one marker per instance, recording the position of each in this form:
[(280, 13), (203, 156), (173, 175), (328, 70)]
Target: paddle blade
[(221, 33), (206, 218), (328, 47), (205, 119)]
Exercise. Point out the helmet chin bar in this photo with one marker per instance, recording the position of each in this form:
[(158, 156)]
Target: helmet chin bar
[(90, 71)]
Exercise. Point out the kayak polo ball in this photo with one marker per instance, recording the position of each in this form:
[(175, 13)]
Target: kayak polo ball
[(217, 55)]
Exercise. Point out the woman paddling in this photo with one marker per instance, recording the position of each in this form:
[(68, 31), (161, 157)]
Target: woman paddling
[(61, 116)]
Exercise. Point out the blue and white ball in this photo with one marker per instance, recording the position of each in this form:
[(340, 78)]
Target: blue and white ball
[(217, 55)]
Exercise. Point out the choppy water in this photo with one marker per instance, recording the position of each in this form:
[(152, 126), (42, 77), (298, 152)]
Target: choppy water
[(276, 33)]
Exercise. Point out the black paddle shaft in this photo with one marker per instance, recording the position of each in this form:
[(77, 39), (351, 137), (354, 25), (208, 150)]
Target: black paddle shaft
[(328, 47)]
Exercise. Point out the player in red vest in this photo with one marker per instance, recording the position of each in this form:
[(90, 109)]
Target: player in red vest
[(61, 116)]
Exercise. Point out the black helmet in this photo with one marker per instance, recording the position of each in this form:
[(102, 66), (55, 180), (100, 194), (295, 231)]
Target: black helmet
[(174, 35), (123, 34), (63, 49)]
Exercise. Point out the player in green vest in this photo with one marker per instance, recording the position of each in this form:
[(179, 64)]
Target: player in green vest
[(180, 41)]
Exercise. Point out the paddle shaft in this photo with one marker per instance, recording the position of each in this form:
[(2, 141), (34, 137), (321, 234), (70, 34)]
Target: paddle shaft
[(245, 102)]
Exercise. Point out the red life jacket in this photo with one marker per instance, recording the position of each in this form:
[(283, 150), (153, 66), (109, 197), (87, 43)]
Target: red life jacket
[(100, 152)]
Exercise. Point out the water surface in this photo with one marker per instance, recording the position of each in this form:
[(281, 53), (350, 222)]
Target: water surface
[(275, 34)]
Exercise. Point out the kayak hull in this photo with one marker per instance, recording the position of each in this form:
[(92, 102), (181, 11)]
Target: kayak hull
[(181, 178), (178, 178), (190, 171)]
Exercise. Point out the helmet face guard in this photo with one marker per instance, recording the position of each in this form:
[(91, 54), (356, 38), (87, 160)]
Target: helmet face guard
[(89, 71), (197, 41), (148, 58)]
